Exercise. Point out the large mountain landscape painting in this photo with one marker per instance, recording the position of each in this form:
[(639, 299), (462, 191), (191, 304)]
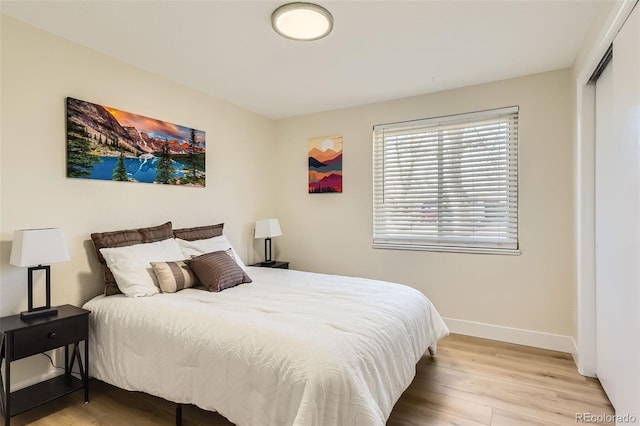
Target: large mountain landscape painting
[(325, 164), (109, 144)]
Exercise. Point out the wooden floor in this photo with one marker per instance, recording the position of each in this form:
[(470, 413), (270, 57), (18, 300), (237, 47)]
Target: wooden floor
[(470, 382)]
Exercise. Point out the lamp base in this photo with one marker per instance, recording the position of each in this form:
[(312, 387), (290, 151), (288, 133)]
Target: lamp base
[(268, 263), (38, 312)]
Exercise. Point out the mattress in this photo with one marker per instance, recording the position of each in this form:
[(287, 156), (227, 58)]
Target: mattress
[(290, 348)]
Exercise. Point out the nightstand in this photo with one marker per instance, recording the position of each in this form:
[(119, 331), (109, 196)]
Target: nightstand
[(23, 338), (277, 264)]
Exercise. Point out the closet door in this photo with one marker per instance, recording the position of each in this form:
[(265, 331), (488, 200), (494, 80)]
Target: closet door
[(606, 238), (618, 222)]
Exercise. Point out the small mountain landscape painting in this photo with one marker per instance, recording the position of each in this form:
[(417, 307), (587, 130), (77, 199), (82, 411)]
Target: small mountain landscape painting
[(325, 164), (109, 144)]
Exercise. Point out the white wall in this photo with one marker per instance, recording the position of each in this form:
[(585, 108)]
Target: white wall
[(38, 72), (332, 232), (602, 31)]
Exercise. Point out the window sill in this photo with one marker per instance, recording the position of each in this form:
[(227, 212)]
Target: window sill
[(386, 246)]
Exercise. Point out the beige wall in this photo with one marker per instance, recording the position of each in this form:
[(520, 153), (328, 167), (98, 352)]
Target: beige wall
[(332, 232), (38, 72), (257, 168)]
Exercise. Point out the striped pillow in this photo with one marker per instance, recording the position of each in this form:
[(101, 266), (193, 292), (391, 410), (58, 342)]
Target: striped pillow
[(218, 271), (174, 276)]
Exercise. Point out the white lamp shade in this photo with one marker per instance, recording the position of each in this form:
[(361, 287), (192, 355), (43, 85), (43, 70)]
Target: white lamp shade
[(33, 247), (267, 228)]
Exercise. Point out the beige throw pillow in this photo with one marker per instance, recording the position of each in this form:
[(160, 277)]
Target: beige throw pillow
[(174, 276)]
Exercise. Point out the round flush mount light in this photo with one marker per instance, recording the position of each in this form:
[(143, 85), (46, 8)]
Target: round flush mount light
[(302, 21)]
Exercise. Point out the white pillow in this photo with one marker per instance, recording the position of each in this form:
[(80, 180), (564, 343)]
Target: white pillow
[(209, 245), (131, 265)]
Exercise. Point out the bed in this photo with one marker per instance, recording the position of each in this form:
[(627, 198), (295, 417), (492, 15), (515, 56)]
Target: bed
[(289, 348)]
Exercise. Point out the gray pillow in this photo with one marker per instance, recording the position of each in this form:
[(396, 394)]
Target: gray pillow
[(218, 271), (126, 238), (199, 232)]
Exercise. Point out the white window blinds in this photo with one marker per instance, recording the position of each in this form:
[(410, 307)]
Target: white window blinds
[(447, 183)]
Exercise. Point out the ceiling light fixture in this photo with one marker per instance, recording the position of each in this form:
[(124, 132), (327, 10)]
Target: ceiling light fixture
[(302, 21)]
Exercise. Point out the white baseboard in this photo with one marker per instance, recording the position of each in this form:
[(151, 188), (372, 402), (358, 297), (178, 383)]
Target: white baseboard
[(574, 351), (33, 380), (576, 359), (519, 336)]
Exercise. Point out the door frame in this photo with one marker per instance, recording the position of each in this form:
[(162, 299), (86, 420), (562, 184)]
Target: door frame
[(585, 355)]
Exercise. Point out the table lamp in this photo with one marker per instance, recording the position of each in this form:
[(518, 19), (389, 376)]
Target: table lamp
[(267, 228), (36, 249)]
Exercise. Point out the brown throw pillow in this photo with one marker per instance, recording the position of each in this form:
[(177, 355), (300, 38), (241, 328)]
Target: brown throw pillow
[(218, 271), (199, 232), (126, 238), (174, 276)]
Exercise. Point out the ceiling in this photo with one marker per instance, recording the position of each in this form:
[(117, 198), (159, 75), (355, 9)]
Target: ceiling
[(378, 50)]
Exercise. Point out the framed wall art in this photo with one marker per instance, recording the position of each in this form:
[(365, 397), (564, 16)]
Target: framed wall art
[(325, 164), (109, 144)]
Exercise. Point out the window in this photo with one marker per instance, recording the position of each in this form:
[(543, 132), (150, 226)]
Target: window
[(447, 183)]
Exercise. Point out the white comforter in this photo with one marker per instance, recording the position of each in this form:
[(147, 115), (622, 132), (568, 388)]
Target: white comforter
[(291, 348)]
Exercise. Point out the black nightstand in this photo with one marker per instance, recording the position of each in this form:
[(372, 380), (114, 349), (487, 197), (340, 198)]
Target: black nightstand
[(23, 338), (277, 264)]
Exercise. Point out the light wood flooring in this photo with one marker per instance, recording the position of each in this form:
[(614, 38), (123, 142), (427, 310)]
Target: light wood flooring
[(470, 382)]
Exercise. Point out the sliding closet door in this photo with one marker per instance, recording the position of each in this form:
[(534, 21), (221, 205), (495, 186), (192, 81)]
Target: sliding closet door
[(607, 295), (618, 222)]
